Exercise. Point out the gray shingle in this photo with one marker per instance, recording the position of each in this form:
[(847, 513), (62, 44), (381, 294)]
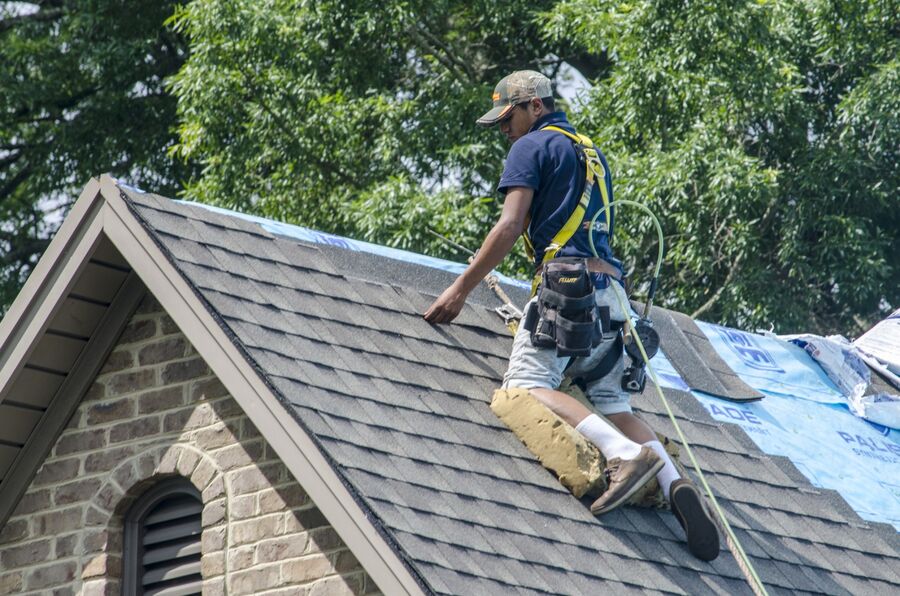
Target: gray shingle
[(726, 585), (824, 583), (302, 255), (681, 557), (166, 223), (887, 569), (401, 406), (692, 355), (460, 583), (190, 251), (861, 585)]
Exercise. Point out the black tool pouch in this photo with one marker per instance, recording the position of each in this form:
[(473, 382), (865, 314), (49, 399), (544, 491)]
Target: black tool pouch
[(565, 315)]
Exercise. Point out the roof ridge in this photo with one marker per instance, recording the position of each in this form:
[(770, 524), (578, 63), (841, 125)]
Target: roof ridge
[(289, 230)]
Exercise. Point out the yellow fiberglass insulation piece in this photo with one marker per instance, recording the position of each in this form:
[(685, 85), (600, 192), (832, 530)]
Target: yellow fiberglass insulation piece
[(560, 448), (563, 450)]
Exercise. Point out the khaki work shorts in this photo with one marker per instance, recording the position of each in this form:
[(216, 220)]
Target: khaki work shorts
[(540, 368)]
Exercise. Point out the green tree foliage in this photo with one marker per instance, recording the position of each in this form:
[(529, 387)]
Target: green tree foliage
[(763, 133), (765, 136), (354, 116), (81, 93)]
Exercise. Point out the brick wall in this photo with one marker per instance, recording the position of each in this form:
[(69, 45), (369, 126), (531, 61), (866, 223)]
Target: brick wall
[(155, 411)]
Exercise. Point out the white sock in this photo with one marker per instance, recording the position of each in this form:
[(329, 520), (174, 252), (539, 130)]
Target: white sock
[(668, 473), (609, 440)]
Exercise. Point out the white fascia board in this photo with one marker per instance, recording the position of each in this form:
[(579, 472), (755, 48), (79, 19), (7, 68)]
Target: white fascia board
[(49, 283), (295, 448)]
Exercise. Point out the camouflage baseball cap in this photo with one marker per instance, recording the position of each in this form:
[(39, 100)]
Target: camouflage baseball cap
[(514, 89)]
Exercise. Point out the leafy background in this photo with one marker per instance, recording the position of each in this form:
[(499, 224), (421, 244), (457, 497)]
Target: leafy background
[(764, 134)]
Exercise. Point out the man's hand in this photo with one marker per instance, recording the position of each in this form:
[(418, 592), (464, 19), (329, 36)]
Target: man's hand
[(499, 241), (447, 306)]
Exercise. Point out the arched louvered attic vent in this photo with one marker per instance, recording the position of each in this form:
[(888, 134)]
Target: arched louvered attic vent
[(162, 542)]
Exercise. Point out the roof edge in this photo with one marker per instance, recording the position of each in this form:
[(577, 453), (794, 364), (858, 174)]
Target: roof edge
[(69, 396), (49, 281), (298, 452), (310, 235)]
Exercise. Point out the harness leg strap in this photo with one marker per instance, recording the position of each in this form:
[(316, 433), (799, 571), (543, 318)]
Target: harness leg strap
[(605, 366)]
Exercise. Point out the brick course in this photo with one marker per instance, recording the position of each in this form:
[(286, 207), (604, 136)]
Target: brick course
[(156, 411)]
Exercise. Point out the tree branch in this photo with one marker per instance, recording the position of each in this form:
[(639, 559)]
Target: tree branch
[(10, 159), (423, 43), (63, 104), (13, 183), (282, 126), (39, 16), (444, 53), (735, 266), (21, 250)]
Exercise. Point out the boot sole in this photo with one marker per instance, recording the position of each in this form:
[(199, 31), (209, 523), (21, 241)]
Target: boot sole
[(701, 532), (648, 475)]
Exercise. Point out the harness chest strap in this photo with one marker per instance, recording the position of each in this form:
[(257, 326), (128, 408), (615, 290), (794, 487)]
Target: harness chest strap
[(593, 171)]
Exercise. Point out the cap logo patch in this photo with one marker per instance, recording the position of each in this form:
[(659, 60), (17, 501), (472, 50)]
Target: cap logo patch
[(495, 96)]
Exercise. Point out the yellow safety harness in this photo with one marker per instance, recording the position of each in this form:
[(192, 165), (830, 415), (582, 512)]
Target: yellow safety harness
[(594, 171)]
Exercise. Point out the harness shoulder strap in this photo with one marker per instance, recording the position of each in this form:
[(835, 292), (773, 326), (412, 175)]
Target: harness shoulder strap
[(594, 171), (594, 165)]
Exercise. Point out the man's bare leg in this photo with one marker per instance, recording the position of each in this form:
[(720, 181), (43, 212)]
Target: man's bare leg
[(611, 442), (629, 465), (563, 405), (633, 427), (683, 496), (635, 430)]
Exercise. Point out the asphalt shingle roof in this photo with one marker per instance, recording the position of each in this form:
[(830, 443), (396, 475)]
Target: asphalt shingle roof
[(401, 408)]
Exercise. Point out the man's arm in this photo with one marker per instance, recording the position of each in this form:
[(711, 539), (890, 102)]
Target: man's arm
[(494, 249)]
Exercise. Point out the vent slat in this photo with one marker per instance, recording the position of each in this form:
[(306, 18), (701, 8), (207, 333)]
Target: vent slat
[(162, 554), (171, 551), (188, 589), (176, 510), (174, 571), (188, 527)]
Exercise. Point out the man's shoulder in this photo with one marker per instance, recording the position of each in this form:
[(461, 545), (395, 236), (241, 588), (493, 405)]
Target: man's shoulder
[(541, 140), (526, 146), (546, 144)]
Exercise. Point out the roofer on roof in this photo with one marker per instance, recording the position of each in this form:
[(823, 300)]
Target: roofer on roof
[(551, 195)]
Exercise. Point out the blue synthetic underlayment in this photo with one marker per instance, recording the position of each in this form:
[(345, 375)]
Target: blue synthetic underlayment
[(772, 365), (828, 444), (668, 376), (803, 416)]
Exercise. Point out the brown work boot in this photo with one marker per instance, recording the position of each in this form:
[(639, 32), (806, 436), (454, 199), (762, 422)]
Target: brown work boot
[(699, 528), (625, 477)]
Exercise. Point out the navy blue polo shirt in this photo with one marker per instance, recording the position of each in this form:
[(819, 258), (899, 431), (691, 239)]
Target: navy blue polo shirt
[(547, 162)]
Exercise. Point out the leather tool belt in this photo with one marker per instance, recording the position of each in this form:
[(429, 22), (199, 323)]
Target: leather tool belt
[(565, 314)]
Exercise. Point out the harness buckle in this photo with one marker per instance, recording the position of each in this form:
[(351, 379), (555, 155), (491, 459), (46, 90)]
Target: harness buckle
[(509, 313), (635, 377)]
